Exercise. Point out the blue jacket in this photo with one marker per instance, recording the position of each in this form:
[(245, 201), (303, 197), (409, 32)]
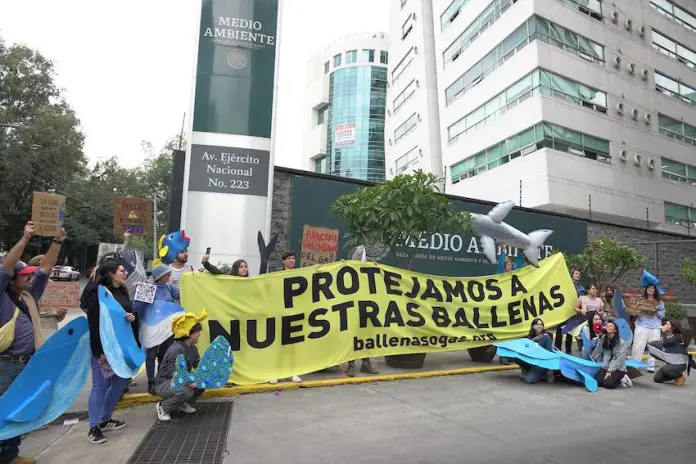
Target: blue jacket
[(517, 264)]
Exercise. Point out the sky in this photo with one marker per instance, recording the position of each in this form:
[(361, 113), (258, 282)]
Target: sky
[(126, 67)]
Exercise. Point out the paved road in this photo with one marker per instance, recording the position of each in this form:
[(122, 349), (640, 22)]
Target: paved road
[(487, 418)]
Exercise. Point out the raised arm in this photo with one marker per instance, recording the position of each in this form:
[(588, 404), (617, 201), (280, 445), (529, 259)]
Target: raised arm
[(51, 257), (127, 237), (15, 254)]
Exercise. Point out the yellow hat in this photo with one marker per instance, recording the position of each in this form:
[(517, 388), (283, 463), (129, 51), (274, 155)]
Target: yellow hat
[(182, 325)]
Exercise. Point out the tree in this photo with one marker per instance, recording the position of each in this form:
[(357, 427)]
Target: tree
[(688, 270), (406, 206), (606, 261), (40, 141)]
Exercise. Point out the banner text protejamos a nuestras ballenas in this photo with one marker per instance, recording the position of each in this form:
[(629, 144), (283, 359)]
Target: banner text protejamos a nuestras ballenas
[(305, 320)]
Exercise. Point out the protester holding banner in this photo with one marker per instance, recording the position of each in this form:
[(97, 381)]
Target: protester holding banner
[(107, 387), (240, 268), (612, 351), (648, 326), (21, 288), (571, 323), (506, 264)]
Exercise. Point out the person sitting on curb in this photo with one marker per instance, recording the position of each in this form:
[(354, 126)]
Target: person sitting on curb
[(187, 330), (612, 351), (164, 292), (21, 288)]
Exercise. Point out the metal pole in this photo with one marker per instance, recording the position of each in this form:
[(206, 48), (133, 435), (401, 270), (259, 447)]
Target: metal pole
[(181, 134), (589, 202), (647, 217), (657, 259), (520, 193), (154, 227)]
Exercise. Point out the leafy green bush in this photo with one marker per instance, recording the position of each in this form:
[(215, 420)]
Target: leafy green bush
[(675, 311)]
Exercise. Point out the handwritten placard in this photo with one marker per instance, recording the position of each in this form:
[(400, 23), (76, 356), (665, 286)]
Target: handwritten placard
[(319, 245), (47, 213), (60, 295)]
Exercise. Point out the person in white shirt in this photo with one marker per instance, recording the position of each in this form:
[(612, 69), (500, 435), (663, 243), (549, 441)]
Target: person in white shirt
[(180, 266)]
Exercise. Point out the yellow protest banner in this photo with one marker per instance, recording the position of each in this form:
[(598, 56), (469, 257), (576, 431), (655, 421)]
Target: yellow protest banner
[(304, 320)]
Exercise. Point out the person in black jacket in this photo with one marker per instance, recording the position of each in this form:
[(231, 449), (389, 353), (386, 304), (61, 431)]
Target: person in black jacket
[(240, 267), (672, 352), (107, 387)]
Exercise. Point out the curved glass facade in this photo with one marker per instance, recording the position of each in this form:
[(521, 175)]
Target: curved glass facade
[(355, 138)]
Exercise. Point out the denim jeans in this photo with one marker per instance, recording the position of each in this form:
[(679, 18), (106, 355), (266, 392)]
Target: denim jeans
[(104, 395), (9, 370), (536, 373)]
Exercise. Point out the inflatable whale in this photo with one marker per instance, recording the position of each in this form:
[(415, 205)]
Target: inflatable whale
[(571, 367), (213, 369), (156, 322), (50, 382), (121, 348)]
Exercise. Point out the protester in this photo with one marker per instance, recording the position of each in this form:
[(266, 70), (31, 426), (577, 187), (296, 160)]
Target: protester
[(505, 262), (648, 327), (21, 288), (240, 267), (576, 275), (675, 354), (164, 292), (187, 330), (591, 332), (107, 387), (289, 259), (585, 308), (180, 267), (612, 352), (533, 374)]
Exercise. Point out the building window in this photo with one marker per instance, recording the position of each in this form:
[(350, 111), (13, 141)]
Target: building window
[(678, 172), (670, 87), (321, 115), (406, 160), (534, 28), (451, 13), (369, 56), (351, 56), (592, 8), (673, 49), (404, 96), (337, 61), (538, 81), (678, 130), (320, 165), (326, 67), (406, 128), (528, 141), (407, 26), (675, 13), (679, 214), (402, 65), (384, 57)]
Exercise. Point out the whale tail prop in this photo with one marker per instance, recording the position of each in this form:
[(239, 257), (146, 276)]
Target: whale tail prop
[(536, 239)]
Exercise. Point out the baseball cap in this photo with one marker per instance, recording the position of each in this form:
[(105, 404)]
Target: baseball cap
[(22, 268)]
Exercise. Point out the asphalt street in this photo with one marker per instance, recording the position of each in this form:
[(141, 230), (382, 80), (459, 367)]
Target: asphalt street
[(483, 418)]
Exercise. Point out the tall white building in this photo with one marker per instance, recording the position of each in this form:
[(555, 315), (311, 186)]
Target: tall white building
[(574, 106), (345, 109)]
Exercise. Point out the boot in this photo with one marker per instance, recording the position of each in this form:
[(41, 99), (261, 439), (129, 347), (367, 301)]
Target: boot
[(151, 388), (350, 372), (366, 367), (681, 380)]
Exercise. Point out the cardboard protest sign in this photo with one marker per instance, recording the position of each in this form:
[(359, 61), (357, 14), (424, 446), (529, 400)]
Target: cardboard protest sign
[(134, 214), (47, 213), (319, 245), (60, 295)]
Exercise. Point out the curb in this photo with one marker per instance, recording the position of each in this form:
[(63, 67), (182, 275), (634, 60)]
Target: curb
[(136, 399)]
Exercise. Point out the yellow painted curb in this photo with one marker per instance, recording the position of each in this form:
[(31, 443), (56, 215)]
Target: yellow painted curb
[(135, 399)]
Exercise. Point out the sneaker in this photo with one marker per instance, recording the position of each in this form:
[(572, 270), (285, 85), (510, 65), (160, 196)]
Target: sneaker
[(161, 414), (187, 409), (651, 369), (681, 380), (627, 380), (550, 376), (111, 424), (296, 379), (273, 382), (21, 460), (96, 436)]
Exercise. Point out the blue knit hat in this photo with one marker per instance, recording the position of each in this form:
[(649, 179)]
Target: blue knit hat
[(160, 271)]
